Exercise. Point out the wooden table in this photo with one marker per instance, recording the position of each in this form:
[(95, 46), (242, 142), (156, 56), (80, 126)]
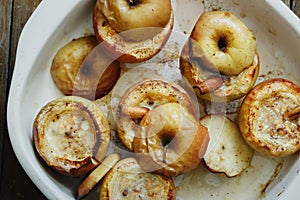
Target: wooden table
[(14, 182)]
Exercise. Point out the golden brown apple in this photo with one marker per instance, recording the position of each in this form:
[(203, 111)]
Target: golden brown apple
[(82, 68), (170, 140), (137, 38), (142, 97), (214, 86), (269, 118)]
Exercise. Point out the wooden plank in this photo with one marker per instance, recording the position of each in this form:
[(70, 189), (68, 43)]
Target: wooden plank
[(4, 57), (22, 9), (15, 184)]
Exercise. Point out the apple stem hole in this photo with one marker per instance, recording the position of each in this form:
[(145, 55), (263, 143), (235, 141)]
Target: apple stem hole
[(134, 2), (222, 43)]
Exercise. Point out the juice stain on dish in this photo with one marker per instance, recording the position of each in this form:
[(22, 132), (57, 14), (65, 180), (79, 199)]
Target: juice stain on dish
[(207, 185), (274, 175)]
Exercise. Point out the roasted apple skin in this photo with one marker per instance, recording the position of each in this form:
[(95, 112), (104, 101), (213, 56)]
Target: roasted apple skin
[(82, 68), (71, 134), (262, 122)]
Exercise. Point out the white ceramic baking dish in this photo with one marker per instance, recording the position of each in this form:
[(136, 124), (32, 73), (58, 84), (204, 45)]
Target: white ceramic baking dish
[(56, 22)]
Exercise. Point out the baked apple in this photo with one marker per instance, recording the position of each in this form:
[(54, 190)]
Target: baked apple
[(269, 118), (224, 42), (142, 97), (170, 140), (131, 30), (82, 68), (71, 134), (128, 181), (220, 60)]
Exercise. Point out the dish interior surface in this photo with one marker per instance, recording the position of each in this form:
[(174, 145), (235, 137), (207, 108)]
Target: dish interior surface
[(32, 87)]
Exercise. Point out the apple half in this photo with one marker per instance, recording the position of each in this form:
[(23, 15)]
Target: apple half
[(126, 180), (227, 151), (71, 134), (269, 117)]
